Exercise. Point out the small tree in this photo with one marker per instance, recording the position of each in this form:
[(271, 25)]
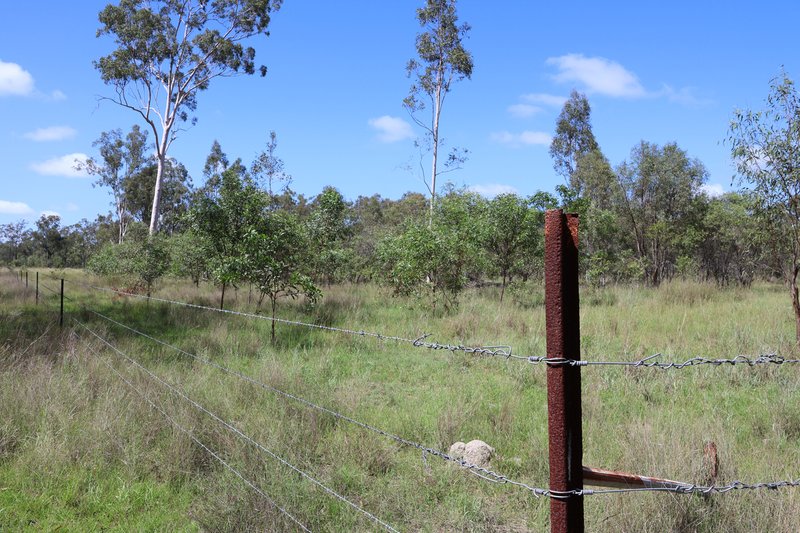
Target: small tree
[(442, 61), (509, 235), (276, 259), (168, 51), (765, 146)]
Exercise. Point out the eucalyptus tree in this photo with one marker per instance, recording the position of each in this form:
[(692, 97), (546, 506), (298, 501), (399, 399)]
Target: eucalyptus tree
[(442, 61), (167, 51), (121, 158), (574, 138), (765, 146), (269, 167), (661, 205)]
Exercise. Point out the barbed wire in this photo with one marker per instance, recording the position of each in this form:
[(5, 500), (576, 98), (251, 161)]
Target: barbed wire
[(686, 488), (474, 469), (502, 351), (153, 405), (648, 362), (238, 432)]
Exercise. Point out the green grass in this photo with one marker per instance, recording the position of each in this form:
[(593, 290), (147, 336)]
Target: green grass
[(80, 450)]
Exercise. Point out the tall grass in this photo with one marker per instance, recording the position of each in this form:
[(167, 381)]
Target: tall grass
[(74, 436)]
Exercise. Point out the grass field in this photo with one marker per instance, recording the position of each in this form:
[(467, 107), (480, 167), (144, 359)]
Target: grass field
[(82, 451)]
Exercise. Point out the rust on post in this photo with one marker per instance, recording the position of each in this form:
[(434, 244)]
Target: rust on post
[(710, 462), (563, 381), (622, 480)]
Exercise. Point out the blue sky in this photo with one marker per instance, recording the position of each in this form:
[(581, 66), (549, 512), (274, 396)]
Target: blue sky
[(660, 72)]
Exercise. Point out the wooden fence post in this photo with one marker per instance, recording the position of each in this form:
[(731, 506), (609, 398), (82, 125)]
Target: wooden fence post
[(563, 381), (37, 288)]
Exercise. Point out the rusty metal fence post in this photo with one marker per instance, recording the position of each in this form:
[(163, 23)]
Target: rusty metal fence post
[(563, 381)]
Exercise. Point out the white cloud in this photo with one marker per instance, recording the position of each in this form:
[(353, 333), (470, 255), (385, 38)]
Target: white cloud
[(391, 129), (53, 133), (598, 74), (57, 96), (14, 80), (73, 207), (712, 190), (523, 110), (685, 96), (526, 138), (551, 100), (50, 214), (14, 208), (490, 190), (61, 166)]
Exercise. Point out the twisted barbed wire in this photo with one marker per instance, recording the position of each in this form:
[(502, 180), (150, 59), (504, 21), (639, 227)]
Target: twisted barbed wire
[(474, 469), (197, 441), (503, 351), (649, 362), (237, 431)]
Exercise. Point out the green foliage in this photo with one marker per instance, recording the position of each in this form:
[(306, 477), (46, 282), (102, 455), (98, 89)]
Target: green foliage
[(573, 139), (434, 261), (142, 261), (765, 145)]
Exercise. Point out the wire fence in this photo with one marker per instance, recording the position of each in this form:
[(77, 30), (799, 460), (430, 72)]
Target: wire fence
[(654, 361)]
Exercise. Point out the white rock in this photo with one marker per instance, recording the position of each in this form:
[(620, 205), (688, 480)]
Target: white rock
[(476, 452), (457, 450)]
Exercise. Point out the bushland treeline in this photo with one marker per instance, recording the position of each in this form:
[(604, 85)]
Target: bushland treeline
[(647, 221)]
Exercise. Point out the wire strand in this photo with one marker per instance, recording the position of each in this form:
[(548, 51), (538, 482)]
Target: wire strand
[(198, 442), (238, 432)]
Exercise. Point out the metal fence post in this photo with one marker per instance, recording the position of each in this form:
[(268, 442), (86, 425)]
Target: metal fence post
[(37, 288), (563, 381), (26, 279), (61, 319)]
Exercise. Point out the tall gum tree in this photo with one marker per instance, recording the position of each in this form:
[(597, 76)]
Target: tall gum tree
[(442, 61), (170, 50), (765, 146)]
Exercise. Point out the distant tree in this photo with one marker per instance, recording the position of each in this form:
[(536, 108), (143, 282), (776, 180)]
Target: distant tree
[(269, 167), (328, 232), (509, 235), (14, 235), (50, 240), (574, 138), (765, 146), (434, 262), (442, 61), (222, 217), (661, 205), (275, 257), (167, 52), (176, 194), (122, 158)]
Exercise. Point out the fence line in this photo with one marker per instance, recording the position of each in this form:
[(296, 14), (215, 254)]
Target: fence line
[(153, 405), (237, 431), (479, 471), (503, 351), (484, 473)]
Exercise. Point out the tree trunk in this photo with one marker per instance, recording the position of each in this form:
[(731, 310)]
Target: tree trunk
[(273, 320), (222, 298), (162, 161), (796, 302), (503, 289), (435, 153)]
